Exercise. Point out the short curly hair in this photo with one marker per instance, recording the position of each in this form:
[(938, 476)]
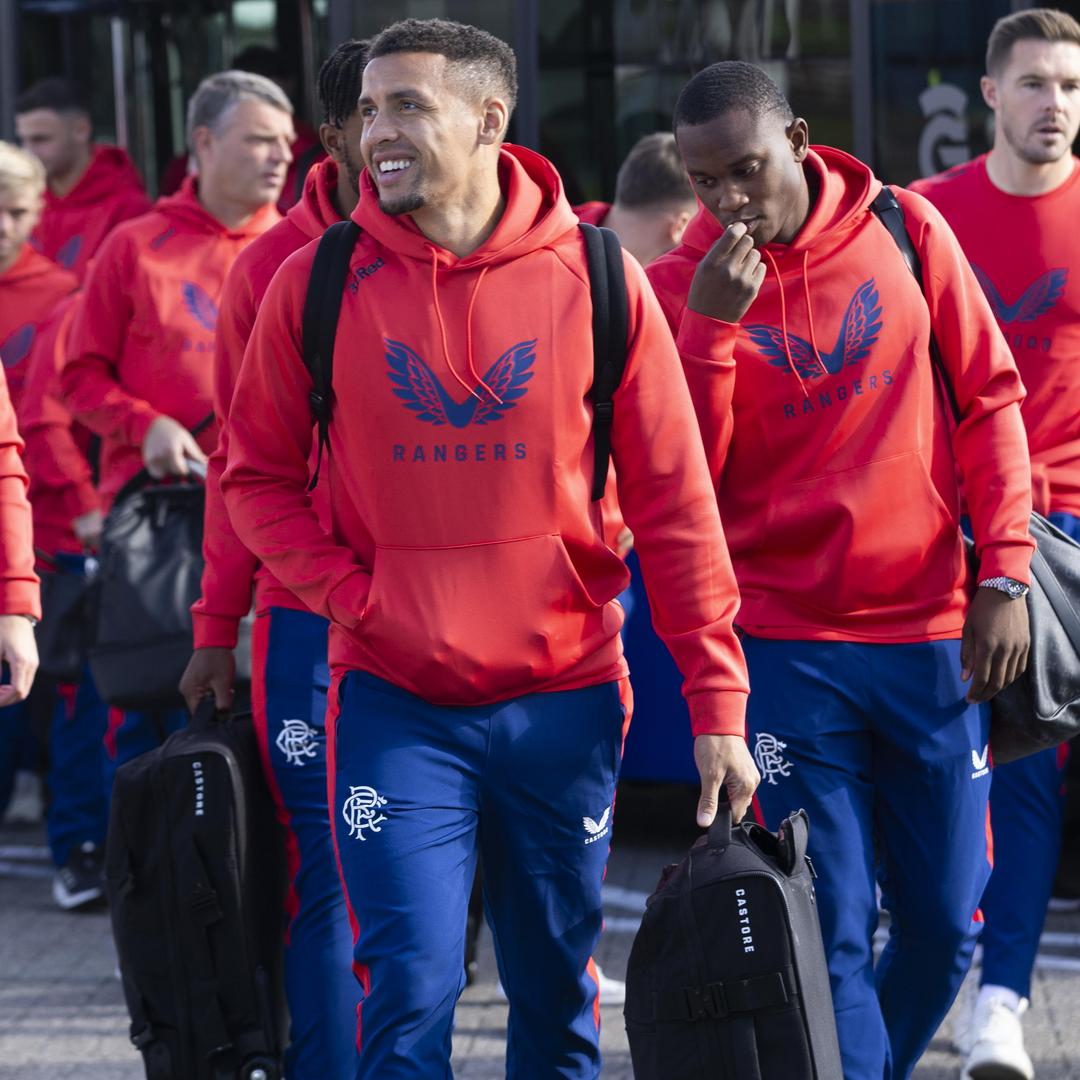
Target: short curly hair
[(728, 85), (486, 64)]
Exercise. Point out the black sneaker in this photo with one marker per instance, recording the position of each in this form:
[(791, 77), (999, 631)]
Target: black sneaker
[(80, 882)]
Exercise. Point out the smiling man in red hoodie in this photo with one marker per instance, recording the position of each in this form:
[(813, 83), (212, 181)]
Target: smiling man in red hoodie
[(804, 339), (91, 188), (290, 675), (140, 353), (480, 692)]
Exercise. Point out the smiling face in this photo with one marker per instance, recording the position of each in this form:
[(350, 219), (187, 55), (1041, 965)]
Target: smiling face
[(747, 168), (423, 132), (1036, 100)]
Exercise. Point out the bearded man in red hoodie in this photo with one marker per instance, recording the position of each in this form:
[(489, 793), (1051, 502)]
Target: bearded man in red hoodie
[(91, 187), (804, 337), (139, 371), (480, 695), (290, 675), (1015, 211)]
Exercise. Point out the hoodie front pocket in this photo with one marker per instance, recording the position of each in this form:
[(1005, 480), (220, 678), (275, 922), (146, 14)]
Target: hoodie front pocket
[(481, 621)]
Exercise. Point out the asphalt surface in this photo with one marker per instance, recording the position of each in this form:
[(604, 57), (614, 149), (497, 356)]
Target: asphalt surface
[(62, 1014)]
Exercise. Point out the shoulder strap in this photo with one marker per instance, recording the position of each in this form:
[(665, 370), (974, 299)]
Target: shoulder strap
[(890, 213), (607, 283), (322, 306)]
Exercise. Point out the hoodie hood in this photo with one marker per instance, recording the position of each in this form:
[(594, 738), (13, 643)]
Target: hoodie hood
[(186, 213), (110, 170), (317, 211), (846, 189), (537, 213), (30, 264)]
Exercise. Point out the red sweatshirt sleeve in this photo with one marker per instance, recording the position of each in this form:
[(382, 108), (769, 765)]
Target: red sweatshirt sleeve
[(229, 571), (52, 454), (89, 382), (267, 472), (990, 442), (20, 592), (670, 505)]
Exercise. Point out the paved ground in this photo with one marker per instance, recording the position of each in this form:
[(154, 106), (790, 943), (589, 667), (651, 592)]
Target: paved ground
[(62, 1016)]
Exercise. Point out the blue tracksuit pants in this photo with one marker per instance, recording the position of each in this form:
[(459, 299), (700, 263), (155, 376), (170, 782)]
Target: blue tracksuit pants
[(78, 770), (417, 793), (879, 746), (290, 679), (129, 734), (1026, 808)]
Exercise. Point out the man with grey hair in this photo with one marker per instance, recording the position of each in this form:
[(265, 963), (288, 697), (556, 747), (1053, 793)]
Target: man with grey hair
[(139, 366)]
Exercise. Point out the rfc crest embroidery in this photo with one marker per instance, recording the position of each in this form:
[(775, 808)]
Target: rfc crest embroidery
[(769, 757), (297, 741), (362, 811)]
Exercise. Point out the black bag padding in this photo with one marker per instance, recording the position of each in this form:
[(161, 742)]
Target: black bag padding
[(63, 635), (607, 283), (149, 575), (727, 978), (1041, 709), (195, 875)]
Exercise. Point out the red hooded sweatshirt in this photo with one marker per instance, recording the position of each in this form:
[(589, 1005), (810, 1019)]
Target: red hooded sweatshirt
[(74, 225), (1025, 251), (61, 484), (29, 293), (466, 562), (833, 461), (20, 593), (592, 213), (142, 343), (230, 567)]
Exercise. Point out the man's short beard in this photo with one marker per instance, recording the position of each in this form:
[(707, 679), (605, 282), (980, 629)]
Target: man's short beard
[(406, 204), (1040, 157)]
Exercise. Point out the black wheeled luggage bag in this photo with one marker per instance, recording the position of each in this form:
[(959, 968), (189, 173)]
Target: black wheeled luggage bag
[(196, 878), (727, 977)]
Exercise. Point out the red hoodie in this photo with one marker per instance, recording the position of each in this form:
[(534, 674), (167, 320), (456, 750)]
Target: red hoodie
[(230, 567), (20, 593), (29, 293), (1025, 251), (61, 484), (592, 213), (465, 561), (142, 344), (832, 458), (74, 225)]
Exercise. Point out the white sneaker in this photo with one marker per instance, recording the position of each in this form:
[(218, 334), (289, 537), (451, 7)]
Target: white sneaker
[(26, 806), (997, 1052)]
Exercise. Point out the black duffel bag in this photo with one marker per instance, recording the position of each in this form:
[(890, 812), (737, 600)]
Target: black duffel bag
[(63, 635), (727, 978), (150, 573), (1042, 708)]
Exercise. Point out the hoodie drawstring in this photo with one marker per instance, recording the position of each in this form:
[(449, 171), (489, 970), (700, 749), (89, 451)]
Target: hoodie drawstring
[(472, 391), (783, 317)]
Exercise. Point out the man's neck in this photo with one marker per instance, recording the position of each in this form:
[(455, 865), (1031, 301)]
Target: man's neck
[(1015, 176), (8, 263), (466, 225), (62, 184), (345, 195), (640, 233), (233, 215)]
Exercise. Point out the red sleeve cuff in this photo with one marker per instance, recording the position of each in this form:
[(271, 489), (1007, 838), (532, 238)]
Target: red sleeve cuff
[(214, 631), (20, 598), (705, 338), (718, 712), (1011, 561)]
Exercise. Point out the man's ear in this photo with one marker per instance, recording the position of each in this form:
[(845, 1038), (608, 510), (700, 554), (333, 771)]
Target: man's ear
[(798, 135), (202, 141), (333, 141), (494, 121), (989, 89), (677, 224), (81, 128)]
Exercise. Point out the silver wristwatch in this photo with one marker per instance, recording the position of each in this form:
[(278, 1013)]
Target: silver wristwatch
[(1014, 589)]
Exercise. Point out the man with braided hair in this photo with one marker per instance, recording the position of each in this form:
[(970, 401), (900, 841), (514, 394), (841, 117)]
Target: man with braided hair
[(290, 675)]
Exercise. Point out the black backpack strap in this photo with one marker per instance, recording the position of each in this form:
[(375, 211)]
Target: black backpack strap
[(890, 213), (607, 283), (322, 306)]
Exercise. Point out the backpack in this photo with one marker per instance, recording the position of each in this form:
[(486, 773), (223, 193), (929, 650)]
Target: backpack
[(1041, 708), (607, 282), (195, 875), (727, 978)]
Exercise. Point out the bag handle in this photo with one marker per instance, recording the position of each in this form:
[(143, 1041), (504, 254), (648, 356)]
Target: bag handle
[(794, 836), (143, 478), (720, 829)]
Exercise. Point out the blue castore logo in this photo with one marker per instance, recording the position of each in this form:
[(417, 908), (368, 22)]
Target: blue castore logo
[(422, 392), (1037, 299)]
